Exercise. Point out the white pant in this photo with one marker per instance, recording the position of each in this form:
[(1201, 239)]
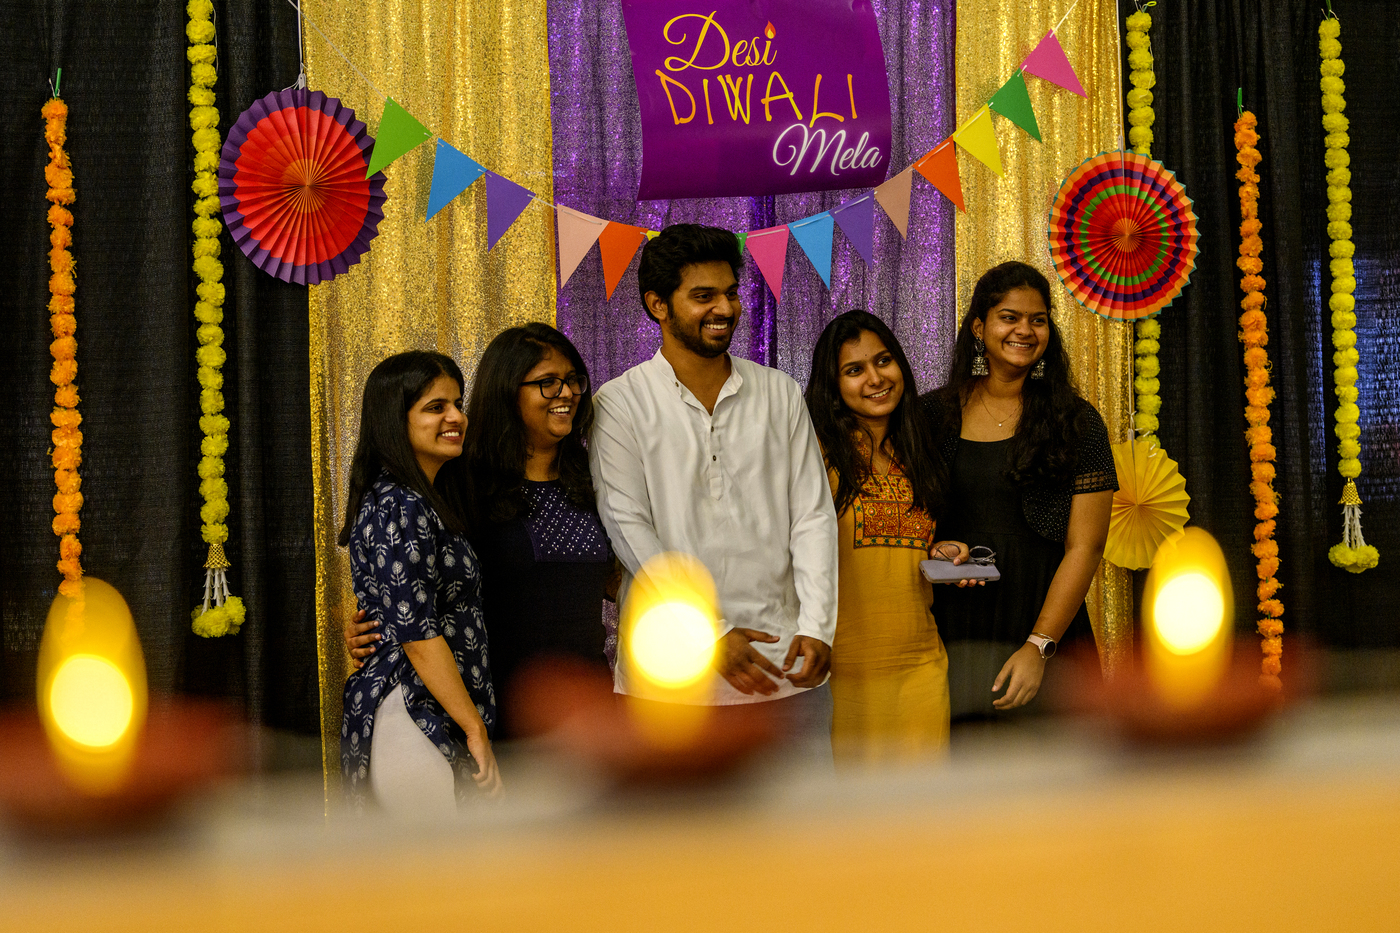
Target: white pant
[(407, 773)]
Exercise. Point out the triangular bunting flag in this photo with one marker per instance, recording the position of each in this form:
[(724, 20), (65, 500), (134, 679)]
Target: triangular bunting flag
[(399, 132), (1048, 61), (814, 236), (1014, 103), (857, 220), (979, 137), (769, 250), (504, 202), (577, 234), (453, 173), (940, 167), (741, 237), (893, 196), (618, 243)]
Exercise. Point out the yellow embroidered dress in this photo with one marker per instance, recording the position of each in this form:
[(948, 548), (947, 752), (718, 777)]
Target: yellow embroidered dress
[(889, 671)]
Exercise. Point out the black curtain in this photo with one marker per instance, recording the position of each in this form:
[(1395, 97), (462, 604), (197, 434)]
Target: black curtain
[(125, 79), (1204, 50)]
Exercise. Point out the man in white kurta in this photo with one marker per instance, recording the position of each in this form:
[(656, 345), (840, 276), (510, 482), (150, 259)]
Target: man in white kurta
[(700, 452)]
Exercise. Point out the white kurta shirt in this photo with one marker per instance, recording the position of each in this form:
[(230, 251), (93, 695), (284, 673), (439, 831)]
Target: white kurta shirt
[(744, 490)]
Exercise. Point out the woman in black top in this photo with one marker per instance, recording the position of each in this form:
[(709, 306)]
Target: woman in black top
[(546, 561), (545, 558), (1031, 476)]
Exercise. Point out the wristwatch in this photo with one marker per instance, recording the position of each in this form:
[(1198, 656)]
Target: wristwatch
[(1045, 643)]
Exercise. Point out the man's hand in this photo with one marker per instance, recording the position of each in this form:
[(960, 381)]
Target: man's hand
[(816, 661), (1024, 670), (358, 641), (739, 663)]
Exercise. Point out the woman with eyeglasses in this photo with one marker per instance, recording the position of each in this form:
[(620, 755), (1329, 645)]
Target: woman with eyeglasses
[(546, 561)]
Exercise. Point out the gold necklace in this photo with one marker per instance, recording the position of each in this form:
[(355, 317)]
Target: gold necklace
[(982, 397)]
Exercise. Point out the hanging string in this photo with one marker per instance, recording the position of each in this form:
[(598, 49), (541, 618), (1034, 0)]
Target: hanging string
[(296, 5)]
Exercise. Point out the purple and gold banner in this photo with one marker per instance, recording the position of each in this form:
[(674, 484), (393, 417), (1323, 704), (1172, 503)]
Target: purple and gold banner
[(750, 97)]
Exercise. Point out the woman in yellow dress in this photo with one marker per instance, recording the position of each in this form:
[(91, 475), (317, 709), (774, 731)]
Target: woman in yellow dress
[(889, 671)]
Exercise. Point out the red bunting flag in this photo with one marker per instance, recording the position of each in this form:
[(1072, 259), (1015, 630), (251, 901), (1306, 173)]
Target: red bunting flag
[(618, 243)]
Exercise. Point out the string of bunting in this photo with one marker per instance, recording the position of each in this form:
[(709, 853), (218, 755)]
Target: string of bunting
[(221, 613), (454, 172), (1146, 367), (1353, 554), (67, 437), (1254, 334)]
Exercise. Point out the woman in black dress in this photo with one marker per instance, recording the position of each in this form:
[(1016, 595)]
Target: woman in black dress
[(546, 561), (1032, 477)]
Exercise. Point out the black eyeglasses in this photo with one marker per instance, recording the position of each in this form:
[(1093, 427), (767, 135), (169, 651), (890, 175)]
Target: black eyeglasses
[(553, 386)]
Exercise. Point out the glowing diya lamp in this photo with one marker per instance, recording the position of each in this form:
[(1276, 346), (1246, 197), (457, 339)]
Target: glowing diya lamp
[(1187, 620), (93, 758), (92, 688), (669, 629)]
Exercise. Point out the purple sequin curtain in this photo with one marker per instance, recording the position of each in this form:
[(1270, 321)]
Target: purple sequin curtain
[(597, 164)]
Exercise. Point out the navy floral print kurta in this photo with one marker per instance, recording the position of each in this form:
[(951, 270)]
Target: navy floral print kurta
[(420, 581)]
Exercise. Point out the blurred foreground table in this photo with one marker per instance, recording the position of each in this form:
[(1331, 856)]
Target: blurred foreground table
[(1054, 829)]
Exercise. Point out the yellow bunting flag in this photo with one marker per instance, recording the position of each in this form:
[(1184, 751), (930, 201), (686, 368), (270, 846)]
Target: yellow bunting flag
[(979, 137)]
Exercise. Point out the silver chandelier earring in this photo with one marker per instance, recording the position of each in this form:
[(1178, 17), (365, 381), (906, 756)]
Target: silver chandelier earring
[(1038, 372), (979, 359)]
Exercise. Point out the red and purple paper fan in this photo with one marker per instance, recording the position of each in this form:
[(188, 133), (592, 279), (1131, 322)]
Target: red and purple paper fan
[(293, 190), (1123, 235)]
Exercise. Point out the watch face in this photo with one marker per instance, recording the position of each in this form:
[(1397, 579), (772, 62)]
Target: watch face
[(1047, 650)]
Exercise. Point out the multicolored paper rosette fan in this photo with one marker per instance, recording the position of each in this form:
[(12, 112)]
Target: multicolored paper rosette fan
[(1123, 235), (292, 186), (1149, 506)]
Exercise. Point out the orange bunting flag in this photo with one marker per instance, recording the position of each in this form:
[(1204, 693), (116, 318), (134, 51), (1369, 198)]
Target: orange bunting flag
[(940, 167), (619, 243), (893, 196), (577, 234)]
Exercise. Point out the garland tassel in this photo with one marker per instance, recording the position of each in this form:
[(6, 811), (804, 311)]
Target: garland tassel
[(1254, 334), (221, 613), (1146, 367), (1353, 553), (67, 454)]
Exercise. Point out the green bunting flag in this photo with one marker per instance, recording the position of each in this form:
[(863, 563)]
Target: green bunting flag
[(1014, 103), (399, 133)]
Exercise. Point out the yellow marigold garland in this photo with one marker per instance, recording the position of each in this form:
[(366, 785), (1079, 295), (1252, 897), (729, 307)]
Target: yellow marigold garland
[(1146, 367), (221, 613), (67, 454), (1254, 334), (1353, 553)]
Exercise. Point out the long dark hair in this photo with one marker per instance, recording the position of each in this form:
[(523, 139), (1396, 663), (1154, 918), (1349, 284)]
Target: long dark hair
[(392, 389), (496, 445), (909, 433), (1045, 450)]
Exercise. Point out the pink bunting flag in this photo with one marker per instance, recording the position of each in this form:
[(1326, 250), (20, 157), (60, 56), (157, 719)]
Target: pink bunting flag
[(893, 196), (769, 251), (1049, 61), (577, 234)]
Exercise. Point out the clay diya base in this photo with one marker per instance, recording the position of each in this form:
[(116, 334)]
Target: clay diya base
[(572, 709), (183, 748)]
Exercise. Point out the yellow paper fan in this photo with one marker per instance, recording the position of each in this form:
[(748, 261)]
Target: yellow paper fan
[(1149, 506)]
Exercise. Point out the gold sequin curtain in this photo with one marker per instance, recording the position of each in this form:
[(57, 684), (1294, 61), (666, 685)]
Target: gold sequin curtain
[(477, 75), (1006, 215)]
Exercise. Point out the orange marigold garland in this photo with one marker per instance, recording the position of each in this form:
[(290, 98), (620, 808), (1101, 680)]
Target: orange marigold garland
[(67, 436), (1254, 334)]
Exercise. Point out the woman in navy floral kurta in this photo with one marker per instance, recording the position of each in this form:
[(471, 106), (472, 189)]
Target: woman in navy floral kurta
[(419, 581), (418, 716)]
